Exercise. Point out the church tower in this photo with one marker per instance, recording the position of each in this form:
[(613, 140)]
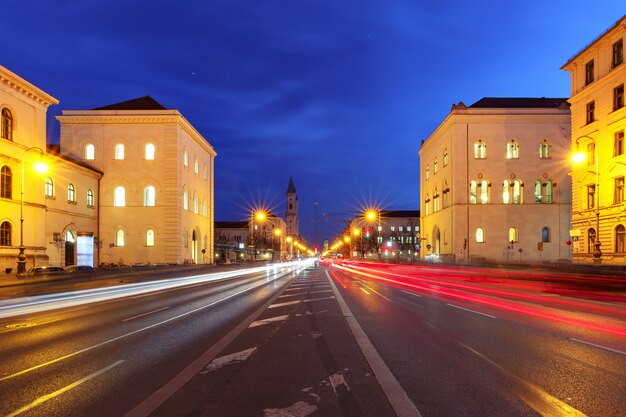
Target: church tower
[(292, 209)]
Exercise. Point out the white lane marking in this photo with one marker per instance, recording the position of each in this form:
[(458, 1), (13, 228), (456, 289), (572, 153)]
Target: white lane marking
[(365, 291), (318, 291), (286, 303), (145, 314), (430, 324), (336, 380), (267, 321), (411, 293), (473, 311), (413, 303), (154, 401), (291, 295), (299, 409), (106, 342), (376, 292), (226, 360), (397, 396), (320, 298), (54, 394), (621, 352)]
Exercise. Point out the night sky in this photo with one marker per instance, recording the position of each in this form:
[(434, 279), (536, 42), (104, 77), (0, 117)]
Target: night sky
[(337, 94)]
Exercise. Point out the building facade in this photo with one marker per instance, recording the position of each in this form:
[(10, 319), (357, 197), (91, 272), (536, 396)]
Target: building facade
[(156, 196), (494, 182), (598, 75)]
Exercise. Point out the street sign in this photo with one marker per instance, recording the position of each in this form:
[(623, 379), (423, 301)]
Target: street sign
[(428, 247)]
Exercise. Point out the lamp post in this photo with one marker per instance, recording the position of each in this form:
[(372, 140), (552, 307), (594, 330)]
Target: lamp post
[(259, 216), (371, 216), (357, 233), (40, 167), (277, 233), (289, 240), (579, 157)]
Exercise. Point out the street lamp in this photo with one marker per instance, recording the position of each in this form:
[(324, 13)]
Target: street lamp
[(40, 167), (277, 233), (580, 157), (260, 217), (356, 232), (289, 240), (373, 215)]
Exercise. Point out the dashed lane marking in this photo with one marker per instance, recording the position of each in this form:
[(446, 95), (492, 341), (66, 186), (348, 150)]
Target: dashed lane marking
[(319, 291), (286, 303), (473, 311), (621, 352), (145, 314), (267, 321), (411, 293), (365, 291), (318, 299)]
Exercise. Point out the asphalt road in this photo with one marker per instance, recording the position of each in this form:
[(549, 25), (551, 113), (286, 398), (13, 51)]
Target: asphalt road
[(340, 340)]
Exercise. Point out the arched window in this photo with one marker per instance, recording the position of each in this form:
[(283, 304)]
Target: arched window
[(480, 150), (185, 200), (185, 158), (545, 234), (150, 237), (196, 166), (538, 187), (435, 167), (71, 193), (445, 157), (149, 196), (517, 191), (544, 150), (484, 192), (119, 237), (5, 234), (591, 240), (149, 152), (473, 192), (446, 194), (186, 238), (90, 152), (427, 172), (512, 150), (620, 241), (206, 172), (6, 182), (119, 151), (549, 192), (436, 201), (513, 235), (480, 235), (119, 196), (205, 210), (506, 192), (49, 187), (6, 125), (427, 205), (196, 205), (90, 199)]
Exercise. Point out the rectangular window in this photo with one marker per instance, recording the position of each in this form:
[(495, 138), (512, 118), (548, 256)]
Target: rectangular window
[(618, 196), (591, 112), (591, 196), (591, 153), (618, 97), (618, 53), (618, 143), (589, 72), (393, 228)]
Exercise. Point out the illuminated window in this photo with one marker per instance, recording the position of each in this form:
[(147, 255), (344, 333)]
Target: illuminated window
[(480, 235), (480, 150), (549, 192), (205, 208), (427, 173), (205, 172), (618, 143), (71, 193), (538, 191), (591, 112), (150, 237), (517, 191), (591, 196), (427, 205), (196, 205), (90, 152), (484, 192), (445, 157), (591, 240), (196, 166), (119, 151), (544, 150), (513, 235), (49, 187), (473, 194), (512, 150), (5, 234), (446, 195), (545, 234), (6, 124), (119, 237), (618, 53), (6, 182), (436, 201), (620, 234), (618, 193), (185, 200), (435, 170), (90, 198), (506, 193), (618, 97), (589, 72), (149, 196), (119, 197), (149, 152), (185, 158)]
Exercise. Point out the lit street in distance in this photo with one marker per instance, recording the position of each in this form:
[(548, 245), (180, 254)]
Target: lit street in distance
[(337, 339)]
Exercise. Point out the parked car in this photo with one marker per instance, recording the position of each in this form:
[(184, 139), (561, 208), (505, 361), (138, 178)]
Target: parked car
[(42, 271), (72, 269)]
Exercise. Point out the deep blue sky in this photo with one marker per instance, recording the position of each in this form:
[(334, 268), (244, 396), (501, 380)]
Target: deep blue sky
[(337, 94)]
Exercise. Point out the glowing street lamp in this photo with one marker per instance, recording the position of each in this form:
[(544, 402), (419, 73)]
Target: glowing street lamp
[(40, 167), (259, 216)]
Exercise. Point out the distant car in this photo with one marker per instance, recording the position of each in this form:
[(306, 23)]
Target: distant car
[(79, 268), (42, 271)]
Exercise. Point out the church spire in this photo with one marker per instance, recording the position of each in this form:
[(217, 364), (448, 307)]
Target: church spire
[(291, 189)]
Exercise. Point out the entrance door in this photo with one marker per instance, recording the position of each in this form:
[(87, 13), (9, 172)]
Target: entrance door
[(437, 242), (70, 248)]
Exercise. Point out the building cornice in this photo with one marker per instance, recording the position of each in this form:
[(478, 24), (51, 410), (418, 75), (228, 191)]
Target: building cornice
[(26, 89)]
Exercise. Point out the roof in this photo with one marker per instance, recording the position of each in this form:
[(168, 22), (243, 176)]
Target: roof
[(291, 189), (231, 225), (595, 40), (520, 102), (55, 149), (141, 103)]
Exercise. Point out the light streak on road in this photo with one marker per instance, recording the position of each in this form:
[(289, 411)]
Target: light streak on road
[(27, 305)]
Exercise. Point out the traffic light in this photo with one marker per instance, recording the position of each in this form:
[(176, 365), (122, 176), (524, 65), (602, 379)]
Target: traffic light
[(367, 233)]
